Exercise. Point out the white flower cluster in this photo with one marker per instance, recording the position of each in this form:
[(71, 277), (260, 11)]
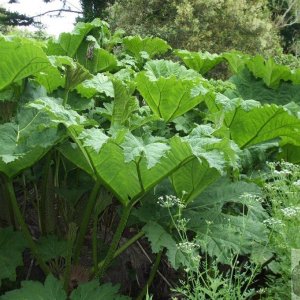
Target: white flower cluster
[(249, 196), (290, 212), (273, 222), (283, 172), (297, 184), (187, 247), (182, 224), (170, 201), (286, 168)]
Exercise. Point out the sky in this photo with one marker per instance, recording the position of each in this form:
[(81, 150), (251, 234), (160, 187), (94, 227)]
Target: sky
[(54, 25)]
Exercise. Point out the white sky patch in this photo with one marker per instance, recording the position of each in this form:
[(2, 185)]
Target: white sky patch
[(53, 25)]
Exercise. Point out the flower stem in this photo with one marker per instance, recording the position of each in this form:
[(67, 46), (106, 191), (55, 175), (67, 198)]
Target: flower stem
[(85, 220), (115, 241), (122, 248), (151, 276)]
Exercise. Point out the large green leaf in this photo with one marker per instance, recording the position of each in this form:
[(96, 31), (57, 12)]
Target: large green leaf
[(201, 62), (263, 124), (295, 76), (248, 87), (93, 291), (50, 78), (53, 290), (12, 245), (65, 72), (50, 247), (236, 60), (159, 239), (270, 72), (57, 112), (18, 153), (20, 59), (191, 179), (78, 158), (93, 138), (220, 153), (136, 46), (152, 148), (34, 290), (165, 68), (213, 156), (100, 83), (169, 89), (68, 43), (124, 104), (128, 180), (100, 60), (290, 153), (251, 123), (228, 220)]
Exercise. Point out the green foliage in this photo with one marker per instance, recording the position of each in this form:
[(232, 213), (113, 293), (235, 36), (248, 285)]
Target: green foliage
[(22, 60), (228, 218), (68, 43), (52, 289), (12, 245), (198, 61), (250, 123), (169, 96), (99, 84), (52, 247), (124, 104), (129, 180), (269, 71), (281, 186), (160, 239), (139, 47), (121, 123), (248, 87), (19, 151), (152, 148), (92, 291)]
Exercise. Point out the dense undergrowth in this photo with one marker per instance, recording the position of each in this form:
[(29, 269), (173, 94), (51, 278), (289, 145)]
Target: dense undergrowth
[(124, 162)]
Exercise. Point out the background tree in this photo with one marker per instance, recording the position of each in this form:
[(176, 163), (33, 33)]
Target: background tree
[(207, 25), (286, 16), (8, 18), (94, 9)]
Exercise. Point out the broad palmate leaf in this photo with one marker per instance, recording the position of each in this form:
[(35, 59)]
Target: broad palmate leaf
[(53, 290), (270, 72), (136, 46), (34, 290), (128, 180), (228, 219), (17, 154), (92, 291), (251, 123), (249, 87), (159, 239), (152, 148), (12, 245), (169, 89), (98, 84), (20, 59), (51, 247), (213, 157), (201, 62), (69, 42)]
